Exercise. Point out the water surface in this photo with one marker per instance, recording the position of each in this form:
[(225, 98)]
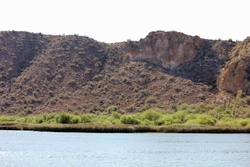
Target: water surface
[(27, 148)]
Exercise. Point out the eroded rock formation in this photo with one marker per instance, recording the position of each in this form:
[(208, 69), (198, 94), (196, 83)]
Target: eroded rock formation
[(167, 49), (236, 74)]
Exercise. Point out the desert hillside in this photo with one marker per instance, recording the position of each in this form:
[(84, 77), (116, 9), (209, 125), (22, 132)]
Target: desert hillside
[(45, 73)]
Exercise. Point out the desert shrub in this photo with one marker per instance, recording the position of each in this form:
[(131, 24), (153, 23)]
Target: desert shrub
[(28, 119), (150, 100), (110, 109), (220, 108), (75, 119), (247, 100), (72, 83), (182, 107), (177, 89), (234, 122), (7, 118), (87, 71), (164, 120), (152, 115), (143, 74), (53, 101), (231, 122), (129, 119), (116, 115), (46, 118), (227, 113), (114, 118), (86, 118), (63, 118), (147, 122), (248, 114), (202, 120), (200, 108), (63, 96), (191, 116), (240, 94), (179, 117), (244, 122), (228, 122), (40, 119)]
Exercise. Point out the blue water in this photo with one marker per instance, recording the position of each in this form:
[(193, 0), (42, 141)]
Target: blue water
[(27, 148)]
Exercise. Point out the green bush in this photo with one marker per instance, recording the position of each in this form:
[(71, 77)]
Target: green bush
[(151, 115), (164, 120), (202, 120), (228, 122), (44, 118), (7, 119), (179, 117), (129, 119), (220, 108), (39, 120), (28, 119), (75, 119), (244, 122), (85, 118), (114, 118), (147, 122), (63, 118), (116, 115), (234, 122)]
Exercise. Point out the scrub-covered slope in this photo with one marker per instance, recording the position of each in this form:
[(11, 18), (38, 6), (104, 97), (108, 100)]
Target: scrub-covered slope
[(45, 73)]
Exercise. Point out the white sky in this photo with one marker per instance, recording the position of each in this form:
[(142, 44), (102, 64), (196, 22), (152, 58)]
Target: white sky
[(119, 20)]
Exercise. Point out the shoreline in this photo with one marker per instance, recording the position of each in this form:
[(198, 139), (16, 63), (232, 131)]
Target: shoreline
[(101, 128)]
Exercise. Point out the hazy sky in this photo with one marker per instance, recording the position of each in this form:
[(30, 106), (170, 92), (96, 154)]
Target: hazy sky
[(119, 20)]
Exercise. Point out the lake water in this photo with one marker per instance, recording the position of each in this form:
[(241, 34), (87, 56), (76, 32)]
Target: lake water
[(27, 148)]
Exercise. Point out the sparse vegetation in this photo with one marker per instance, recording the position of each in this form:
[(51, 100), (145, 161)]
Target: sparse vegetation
[(200, 115)]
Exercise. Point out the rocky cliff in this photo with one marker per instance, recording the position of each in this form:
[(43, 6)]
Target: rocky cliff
[(236, 74), (167, 49), (197, 59)]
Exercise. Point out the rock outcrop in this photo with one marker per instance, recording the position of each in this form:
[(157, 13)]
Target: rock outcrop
[(191, 57), (167, 49), (236, 74)]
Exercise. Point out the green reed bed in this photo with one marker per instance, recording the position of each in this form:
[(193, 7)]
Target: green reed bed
[(184, 118)]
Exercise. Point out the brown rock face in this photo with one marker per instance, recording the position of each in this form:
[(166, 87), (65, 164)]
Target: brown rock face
[(167, 49), (190, 57), (236, 74)]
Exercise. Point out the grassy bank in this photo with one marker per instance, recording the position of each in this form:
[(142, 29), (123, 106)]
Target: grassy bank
[(98, 128), (231, 118)]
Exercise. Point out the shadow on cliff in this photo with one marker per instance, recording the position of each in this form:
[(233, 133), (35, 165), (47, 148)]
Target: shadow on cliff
[(204, 68), (190, 57)]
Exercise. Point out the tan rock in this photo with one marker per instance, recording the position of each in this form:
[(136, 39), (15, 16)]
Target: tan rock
[(236, 74), (167, 49)]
